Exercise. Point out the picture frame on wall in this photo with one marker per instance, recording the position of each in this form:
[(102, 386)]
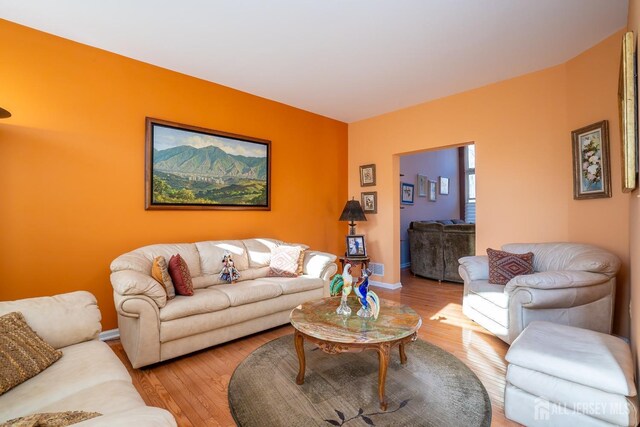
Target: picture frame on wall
[(367, 175), (356, 247), (406, 193), (187, 167), (369, 202), (591, 162), (627, 109), (444, 185), (422, 186), (432, 190)]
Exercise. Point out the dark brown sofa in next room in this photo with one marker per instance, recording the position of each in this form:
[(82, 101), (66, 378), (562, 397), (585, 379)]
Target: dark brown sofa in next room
[(436, 246)]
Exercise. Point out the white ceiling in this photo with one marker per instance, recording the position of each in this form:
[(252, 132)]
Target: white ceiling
[(345, 59)]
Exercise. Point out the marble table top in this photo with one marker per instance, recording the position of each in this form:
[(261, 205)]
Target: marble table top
[(319, 319)]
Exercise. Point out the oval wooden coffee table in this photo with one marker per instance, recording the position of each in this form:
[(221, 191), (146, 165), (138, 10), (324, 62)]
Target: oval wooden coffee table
[(318, 322)]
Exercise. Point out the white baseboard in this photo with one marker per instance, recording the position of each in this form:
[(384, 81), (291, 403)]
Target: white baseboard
[(111, 334), (406, 265), (385, 285)]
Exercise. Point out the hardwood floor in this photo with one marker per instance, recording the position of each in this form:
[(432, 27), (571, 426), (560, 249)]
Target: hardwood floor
[(194, 387)]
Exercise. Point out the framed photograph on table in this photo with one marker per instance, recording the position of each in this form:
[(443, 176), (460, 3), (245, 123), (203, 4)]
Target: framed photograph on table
[(406, 193), (591, 164), (444, 185), (369, 202), (367, 175), (433, 188), (355, 246), (422, 186)]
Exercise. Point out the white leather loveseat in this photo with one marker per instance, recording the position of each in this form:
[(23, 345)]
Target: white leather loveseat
[(88, 377), (153, 328), (573, 284)]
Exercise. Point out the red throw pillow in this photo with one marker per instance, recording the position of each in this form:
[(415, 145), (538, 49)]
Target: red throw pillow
[(504, 266), (180, 275)]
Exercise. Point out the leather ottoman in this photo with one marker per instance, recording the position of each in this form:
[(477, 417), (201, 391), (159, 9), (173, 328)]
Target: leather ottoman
[(561, 375)]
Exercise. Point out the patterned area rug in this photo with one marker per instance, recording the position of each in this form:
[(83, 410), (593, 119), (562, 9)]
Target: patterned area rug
[(432, 389)]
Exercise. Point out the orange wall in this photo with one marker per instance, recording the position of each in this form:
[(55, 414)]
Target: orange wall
[(72, 165), (522, 131)]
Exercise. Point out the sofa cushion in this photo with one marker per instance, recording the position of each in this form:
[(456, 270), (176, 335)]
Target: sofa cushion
[(141, 259), (82, 366), (577, 355), (285, 261), (259, 251), (202, 301), (212, 253), (292, 285), (504, 266), (60, 320), (249, 291), (180, 275), (160, 272), (57, 419), (23, 354)]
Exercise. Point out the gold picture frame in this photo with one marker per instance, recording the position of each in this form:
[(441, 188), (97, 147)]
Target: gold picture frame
[(627, 111)]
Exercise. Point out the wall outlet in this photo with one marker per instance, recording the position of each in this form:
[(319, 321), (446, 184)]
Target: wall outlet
[(376, 268)]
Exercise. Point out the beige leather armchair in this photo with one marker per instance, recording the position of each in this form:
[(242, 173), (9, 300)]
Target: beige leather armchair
[(573, 284)]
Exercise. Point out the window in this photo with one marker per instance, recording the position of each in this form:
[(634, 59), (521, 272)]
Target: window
[(470, 181)]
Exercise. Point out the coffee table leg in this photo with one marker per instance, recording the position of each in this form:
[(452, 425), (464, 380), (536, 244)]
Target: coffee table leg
[(299, 341), (403, 355), (383, 356)]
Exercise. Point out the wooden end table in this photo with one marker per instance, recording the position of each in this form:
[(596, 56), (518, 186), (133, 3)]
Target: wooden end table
[(318, 322)]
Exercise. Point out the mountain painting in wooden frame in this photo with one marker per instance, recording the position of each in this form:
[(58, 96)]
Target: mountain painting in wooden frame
[(188, 167)]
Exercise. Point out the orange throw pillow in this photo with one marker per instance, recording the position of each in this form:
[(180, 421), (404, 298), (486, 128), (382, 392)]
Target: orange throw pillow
[(160, 272), (180, 275)]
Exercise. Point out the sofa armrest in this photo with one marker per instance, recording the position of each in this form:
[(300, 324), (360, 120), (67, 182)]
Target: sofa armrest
[(143, 416), (319, 264), (474, 267), (60, 320), (131, 282), (139, 325), (555, 280)]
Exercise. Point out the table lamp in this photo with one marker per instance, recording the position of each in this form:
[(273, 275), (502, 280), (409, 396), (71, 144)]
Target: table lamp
[(352, 212)]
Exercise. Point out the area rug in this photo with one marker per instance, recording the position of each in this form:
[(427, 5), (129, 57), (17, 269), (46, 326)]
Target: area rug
[(432, 389)]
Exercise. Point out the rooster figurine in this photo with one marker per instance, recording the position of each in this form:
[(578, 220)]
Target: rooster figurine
[(342, 282), (368, 299)]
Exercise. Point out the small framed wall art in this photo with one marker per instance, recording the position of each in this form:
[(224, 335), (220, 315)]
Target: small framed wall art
[(406, 193), (355, 246), (369, 202), (422, 186), (432, 190), (444, 185), (367, 175), (591, 164)]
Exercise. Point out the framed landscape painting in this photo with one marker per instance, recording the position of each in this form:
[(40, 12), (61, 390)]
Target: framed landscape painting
[(188, 167), (591, 164)]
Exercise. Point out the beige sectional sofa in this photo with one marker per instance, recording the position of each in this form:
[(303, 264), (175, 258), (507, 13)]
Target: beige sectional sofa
[(153, 328), (88, 377)]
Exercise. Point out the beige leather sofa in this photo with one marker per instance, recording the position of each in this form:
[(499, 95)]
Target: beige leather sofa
[(573, 284), (153, 329), (88, 377)]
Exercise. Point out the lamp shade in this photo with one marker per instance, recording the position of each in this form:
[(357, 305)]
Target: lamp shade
[(4, 114), (352, 212)]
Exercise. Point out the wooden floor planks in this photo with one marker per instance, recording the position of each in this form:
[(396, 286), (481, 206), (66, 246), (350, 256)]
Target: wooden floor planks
[(194, 387)]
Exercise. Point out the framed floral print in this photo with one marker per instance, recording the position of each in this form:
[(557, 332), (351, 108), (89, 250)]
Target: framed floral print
[(367, 175), (591, 163), (406, 193), (369, 202), (432, 190), (422, 186)]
